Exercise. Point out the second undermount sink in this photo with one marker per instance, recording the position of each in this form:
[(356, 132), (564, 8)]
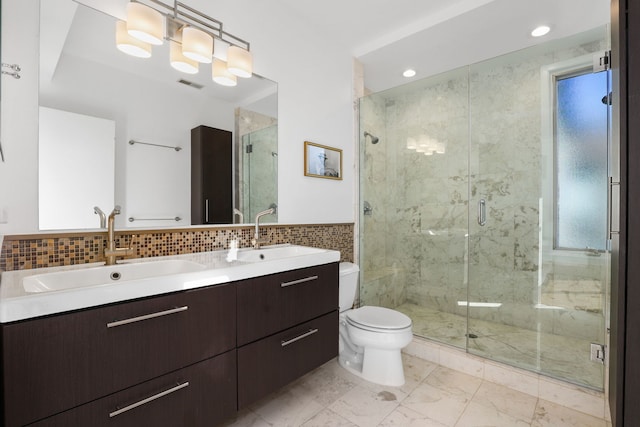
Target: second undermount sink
[(104, 275), (276, 252)]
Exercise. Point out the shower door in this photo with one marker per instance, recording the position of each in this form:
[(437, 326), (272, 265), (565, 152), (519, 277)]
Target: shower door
[(538, 258), (259, 179)]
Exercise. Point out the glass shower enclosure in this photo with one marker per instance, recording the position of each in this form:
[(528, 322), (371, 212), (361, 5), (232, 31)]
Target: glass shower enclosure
[(484, 206)]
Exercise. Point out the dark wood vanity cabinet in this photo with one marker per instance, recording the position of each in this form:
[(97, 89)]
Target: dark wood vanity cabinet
[(287, 326), (59, 362), (189, 358), (203, 394), (211, 176)]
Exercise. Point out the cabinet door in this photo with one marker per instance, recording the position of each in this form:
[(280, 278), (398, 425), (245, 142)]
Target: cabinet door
[(55, 363), (211, 176), (203, 394), (270, 304), (268, 364)]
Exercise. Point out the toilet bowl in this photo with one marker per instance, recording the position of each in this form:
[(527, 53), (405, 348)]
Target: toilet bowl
[(371, 338)]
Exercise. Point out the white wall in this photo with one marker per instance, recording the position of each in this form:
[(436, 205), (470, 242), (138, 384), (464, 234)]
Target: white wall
[(314, 104), (69, 185)]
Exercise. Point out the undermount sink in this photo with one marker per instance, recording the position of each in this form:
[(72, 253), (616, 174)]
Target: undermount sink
[(275, 253), (104, 275)]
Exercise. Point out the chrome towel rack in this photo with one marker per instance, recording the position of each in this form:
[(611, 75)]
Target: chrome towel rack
[(132, 142), (176, 219)]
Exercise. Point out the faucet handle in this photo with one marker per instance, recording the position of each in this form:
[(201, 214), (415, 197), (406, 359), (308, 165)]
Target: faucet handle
[(130, 248)]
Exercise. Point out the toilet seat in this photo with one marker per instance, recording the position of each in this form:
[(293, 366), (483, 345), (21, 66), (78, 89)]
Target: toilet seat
[(378, 319)]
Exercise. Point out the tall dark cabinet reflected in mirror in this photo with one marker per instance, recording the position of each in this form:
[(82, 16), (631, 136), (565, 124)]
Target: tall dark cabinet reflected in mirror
[(211, 176)]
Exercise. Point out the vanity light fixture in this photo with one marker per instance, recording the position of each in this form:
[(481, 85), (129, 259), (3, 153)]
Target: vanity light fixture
[(145, 23), (197, 45), (410, 72), (130, 45), (221, 74), (181, 62), (193, 36), (540, 31), (239, 62)]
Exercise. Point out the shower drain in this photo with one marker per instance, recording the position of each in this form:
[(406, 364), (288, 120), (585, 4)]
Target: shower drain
[(471, 335)]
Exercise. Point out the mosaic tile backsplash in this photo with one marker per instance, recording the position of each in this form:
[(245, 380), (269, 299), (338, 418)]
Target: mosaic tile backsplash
[(27, 252)]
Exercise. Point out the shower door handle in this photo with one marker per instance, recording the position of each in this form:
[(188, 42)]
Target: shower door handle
[(482, 212), (613, 203)]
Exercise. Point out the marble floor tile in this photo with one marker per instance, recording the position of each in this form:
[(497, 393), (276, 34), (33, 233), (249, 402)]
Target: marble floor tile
[(247, 418), (548, 414), (328, 418), (453, 382), (405, 417), (504, 400), (476, 415), (365, 406), (434, 396), (437, 404), (287, 408)]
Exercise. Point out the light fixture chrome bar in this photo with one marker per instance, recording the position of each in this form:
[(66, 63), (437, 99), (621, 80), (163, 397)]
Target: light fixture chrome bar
[(176, 219), (212, 26), (132, 142)]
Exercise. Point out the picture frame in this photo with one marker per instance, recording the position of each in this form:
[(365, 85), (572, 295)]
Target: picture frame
[(322, 161)]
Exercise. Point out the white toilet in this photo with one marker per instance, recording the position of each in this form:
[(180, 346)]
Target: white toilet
[(370, 337)]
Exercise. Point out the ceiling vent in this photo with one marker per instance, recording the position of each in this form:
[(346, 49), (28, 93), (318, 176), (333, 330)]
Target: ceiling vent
[(192, 84)]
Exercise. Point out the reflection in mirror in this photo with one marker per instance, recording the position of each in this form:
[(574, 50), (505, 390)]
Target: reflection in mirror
[(82, 72), (257, 166)]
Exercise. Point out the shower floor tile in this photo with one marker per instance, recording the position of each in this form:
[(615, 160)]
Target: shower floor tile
[(558, 356)]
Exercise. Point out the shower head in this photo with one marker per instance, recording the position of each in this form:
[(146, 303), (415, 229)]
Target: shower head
[(374, 139)]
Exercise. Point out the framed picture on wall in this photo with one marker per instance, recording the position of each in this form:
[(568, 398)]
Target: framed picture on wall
[(321, 161)]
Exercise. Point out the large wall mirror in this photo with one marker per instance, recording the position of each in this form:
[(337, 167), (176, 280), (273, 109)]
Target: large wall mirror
[(94, 100)]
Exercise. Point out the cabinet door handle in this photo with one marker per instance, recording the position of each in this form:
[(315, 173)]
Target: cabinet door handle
[(299, 337), (206, 211), (146, 317), (295, 282), (148, 399)]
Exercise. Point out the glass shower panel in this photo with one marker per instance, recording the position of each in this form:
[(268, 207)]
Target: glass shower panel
[(414, 197), (530, 304), (259, 184)]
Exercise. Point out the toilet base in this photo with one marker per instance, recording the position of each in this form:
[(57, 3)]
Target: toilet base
[(378, 366)]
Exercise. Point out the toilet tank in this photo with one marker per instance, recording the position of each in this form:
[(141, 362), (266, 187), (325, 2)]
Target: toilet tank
[(348, 284)]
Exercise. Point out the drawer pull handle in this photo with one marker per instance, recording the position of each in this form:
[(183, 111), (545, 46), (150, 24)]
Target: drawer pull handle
[(299, 337), (148, 399), (147, 316), (295, 282)]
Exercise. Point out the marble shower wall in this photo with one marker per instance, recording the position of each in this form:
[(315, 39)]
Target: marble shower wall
[(484, 122)]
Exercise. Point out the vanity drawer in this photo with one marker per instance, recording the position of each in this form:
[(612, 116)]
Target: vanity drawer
[(55, 363), (203, 394), (270, 304), (266, 365)]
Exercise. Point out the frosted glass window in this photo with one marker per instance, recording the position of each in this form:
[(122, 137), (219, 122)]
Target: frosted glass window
[(581, 161)]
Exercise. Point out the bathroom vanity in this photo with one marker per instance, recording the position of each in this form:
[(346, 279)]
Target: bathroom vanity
[(186, 357)]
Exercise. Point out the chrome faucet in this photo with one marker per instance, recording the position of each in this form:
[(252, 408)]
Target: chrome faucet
[(257, 241), (111, 252), (103, 217)]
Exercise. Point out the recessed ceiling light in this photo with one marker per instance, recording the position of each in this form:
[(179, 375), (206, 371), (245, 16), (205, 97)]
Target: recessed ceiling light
[(409, 72), (540, 31)]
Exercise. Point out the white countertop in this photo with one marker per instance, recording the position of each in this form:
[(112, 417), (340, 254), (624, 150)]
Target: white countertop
[(18, 304)]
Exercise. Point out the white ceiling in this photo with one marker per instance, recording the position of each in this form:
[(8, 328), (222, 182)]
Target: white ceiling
[(433, 36)]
